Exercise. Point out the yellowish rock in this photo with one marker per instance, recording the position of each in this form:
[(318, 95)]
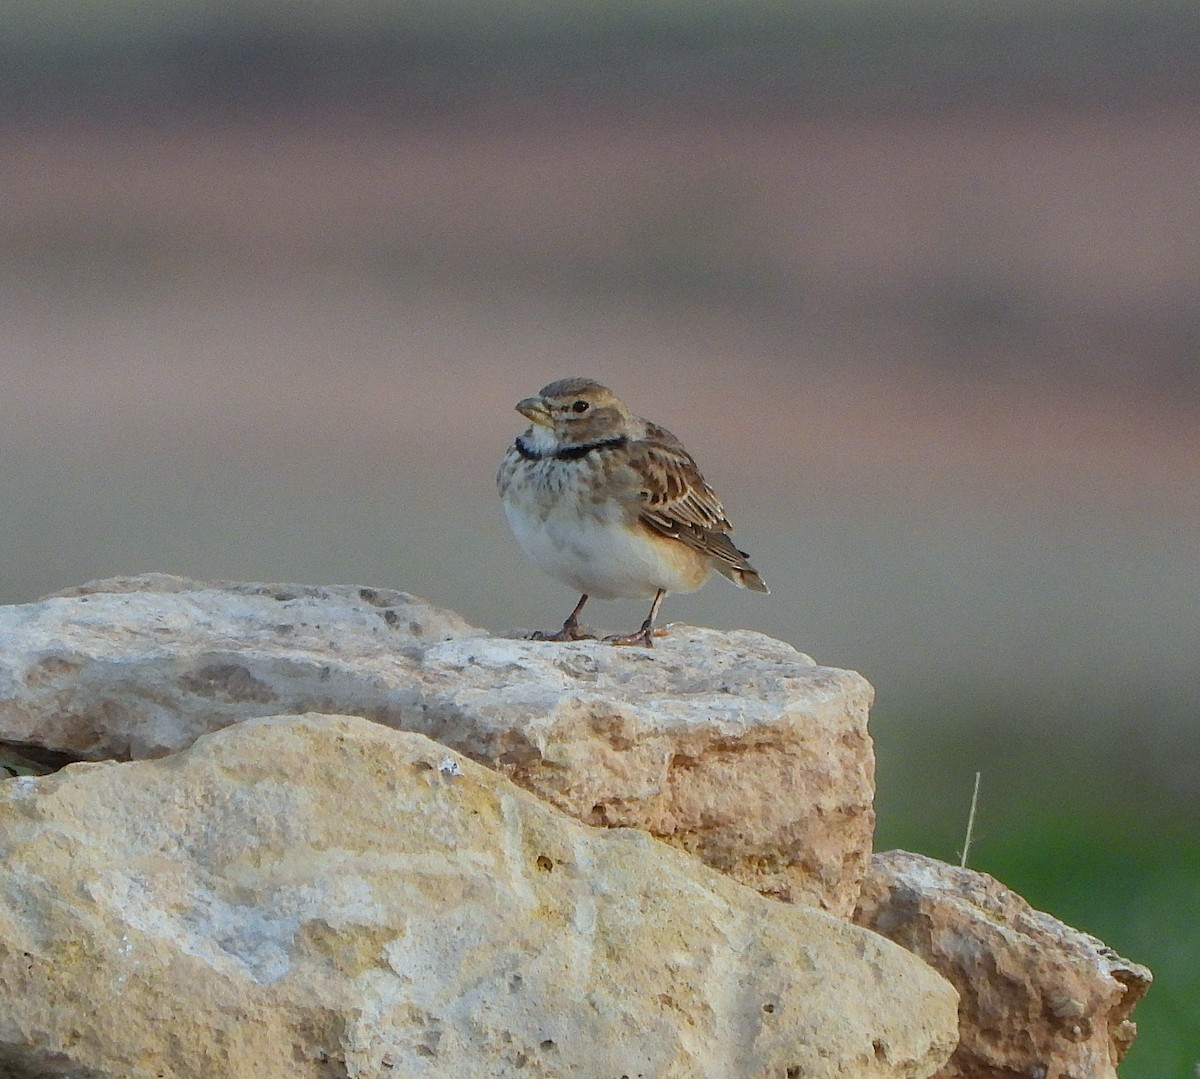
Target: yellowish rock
[(320, 896)]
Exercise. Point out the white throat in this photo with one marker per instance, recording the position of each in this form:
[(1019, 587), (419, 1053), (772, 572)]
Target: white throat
[(540, 439)]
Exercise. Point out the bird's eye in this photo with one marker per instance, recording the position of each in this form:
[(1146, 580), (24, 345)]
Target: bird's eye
[(580, 406)]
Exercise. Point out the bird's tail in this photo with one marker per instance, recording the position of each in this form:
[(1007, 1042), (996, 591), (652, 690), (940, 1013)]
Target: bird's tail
[(744, 577)]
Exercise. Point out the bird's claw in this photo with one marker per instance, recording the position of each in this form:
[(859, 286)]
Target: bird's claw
[(567, 633), (644, 636)]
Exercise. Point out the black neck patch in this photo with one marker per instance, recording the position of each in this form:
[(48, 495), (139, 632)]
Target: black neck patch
[(569, 453)]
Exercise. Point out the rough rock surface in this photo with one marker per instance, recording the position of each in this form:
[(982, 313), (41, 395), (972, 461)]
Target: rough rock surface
[(319, 896), (732, 746), (1038, 998)]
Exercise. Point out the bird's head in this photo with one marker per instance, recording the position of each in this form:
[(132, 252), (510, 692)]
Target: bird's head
[(576, 410)]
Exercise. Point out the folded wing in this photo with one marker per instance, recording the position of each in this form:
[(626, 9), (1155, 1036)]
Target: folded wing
[(674, 500)]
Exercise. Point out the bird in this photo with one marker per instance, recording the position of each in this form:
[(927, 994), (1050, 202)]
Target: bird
[(613, 505)]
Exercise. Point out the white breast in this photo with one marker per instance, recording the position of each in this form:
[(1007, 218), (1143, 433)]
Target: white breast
[(590, 547)]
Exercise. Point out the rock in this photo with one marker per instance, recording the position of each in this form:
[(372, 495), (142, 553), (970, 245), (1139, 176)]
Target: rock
[(319, 896), (1038, 998), (732, 746)]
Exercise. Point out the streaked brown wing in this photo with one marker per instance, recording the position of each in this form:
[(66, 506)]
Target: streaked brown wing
[(674, 499)]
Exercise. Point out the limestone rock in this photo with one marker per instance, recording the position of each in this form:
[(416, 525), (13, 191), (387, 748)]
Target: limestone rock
[(319, 896), (732, 746), (1038, 998)]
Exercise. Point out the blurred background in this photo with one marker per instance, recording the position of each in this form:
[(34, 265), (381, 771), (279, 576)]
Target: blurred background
[(918, 283)]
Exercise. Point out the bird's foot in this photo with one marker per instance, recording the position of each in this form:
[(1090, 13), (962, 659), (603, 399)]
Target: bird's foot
[(571, 631), (644, 636)]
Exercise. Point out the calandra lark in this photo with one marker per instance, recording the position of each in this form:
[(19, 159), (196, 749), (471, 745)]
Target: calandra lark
[(613, 505)]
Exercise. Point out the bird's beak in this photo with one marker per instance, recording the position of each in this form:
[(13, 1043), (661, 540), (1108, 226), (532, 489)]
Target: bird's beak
[(534, 408)]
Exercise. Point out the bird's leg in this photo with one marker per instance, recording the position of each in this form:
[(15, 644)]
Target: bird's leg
[(644, 636), (571, 630)]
